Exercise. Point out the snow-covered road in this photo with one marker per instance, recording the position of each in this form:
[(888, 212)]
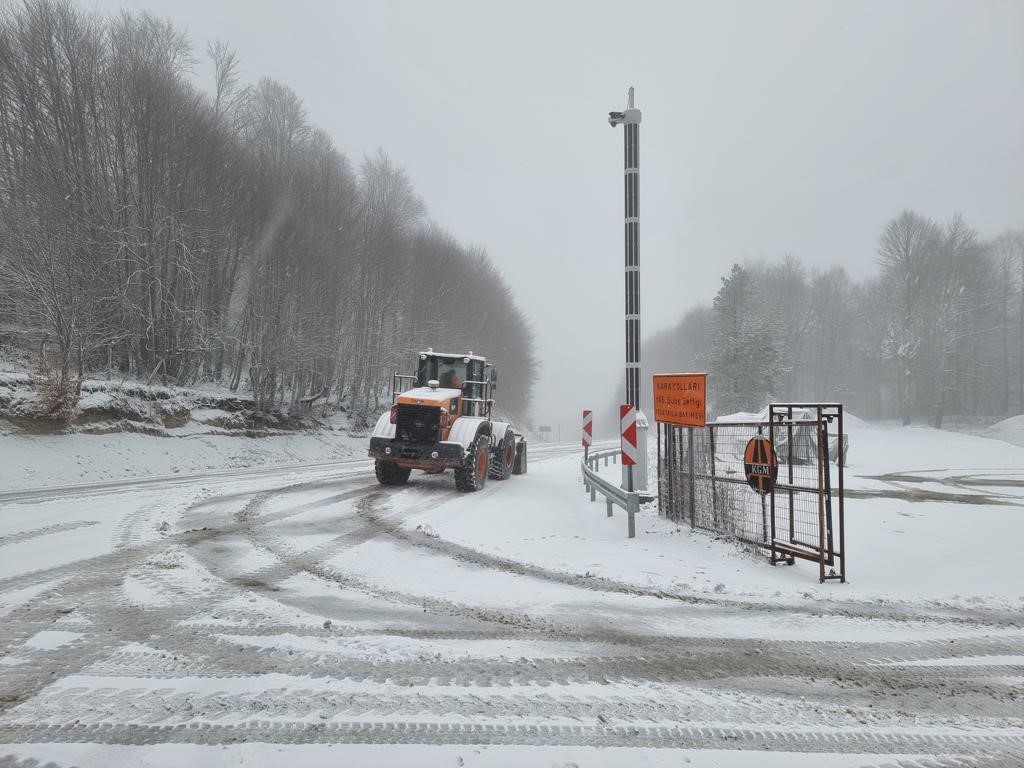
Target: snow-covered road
[(309, 616)]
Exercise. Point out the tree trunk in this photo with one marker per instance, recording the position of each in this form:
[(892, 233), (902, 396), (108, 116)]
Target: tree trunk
[(905, 401)]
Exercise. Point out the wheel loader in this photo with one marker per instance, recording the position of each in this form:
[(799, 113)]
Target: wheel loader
[(440, 419)]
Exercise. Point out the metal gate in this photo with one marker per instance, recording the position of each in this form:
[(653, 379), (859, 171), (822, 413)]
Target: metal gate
[(803, 505), (701, 481)]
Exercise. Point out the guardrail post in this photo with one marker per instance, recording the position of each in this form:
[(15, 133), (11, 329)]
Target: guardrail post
[(632, 507), (608, 502), (593, 492)]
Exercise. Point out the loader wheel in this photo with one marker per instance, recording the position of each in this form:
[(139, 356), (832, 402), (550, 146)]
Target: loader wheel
[(389, 473), (519, 468), (472, 475), (503, 458)]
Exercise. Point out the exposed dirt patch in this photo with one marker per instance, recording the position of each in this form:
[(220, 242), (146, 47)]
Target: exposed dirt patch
[(258, 584)]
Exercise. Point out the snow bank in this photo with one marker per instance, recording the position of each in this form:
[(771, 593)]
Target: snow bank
[(1010, 430), (117, 428), (131, 406), (39, 461), (850, 421)]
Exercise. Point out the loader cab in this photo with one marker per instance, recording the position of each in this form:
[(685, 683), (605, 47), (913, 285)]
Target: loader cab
[(468, 373)]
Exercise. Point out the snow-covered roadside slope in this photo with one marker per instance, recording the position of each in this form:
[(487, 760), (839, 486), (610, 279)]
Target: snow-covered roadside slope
[(40, 461), (128, 430)]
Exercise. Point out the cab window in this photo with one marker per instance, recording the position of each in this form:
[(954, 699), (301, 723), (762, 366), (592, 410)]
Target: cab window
[(450, 373)]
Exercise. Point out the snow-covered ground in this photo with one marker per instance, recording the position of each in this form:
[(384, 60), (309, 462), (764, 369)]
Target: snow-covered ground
[(322, 619), (431, 756), (43, 461), (932, 549)]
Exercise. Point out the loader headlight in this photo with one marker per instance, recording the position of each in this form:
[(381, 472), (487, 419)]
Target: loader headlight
[(434, 454), (387, 451)]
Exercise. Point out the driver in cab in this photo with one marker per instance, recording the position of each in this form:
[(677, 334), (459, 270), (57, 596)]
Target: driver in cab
[(451, 380)]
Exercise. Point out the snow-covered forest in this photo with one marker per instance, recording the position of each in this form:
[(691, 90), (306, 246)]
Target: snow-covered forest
[(182, 232), (937, 333)]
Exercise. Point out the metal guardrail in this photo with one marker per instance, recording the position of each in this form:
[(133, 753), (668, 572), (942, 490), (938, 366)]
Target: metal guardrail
[(613, 494)]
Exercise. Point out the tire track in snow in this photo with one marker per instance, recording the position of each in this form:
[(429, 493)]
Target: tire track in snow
[(435, 732), (731, 664), (46, 530), (393, 526)]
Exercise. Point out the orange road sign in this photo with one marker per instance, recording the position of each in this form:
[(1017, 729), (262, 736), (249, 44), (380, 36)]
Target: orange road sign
[(681, 399), (760, 464)]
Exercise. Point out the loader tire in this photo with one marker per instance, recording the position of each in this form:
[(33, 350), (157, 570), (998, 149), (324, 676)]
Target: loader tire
[(503, 458), (472, 475), (389, 473), (519, 468)]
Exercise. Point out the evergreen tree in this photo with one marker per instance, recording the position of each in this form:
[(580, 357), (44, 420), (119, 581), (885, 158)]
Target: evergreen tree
[(745, 348)]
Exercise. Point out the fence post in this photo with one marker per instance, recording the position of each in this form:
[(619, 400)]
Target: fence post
[(821, 498), (764, 519), (789, 464), (657, 427), (842, 511), (690, 471), (670, 471), (714, 484)]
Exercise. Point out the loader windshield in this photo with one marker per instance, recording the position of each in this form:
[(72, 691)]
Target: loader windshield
[(451, 373)]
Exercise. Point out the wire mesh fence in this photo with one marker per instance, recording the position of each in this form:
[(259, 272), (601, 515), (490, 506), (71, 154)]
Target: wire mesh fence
[(701, 480)]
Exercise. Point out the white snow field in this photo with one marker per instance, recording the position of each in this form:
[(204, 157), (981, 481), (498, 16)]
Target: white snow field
[(305, 615)]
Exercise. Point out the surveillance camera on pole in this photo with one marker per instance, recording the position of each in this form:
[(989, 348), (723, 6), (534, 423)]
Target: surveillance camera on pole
[(630, 118)]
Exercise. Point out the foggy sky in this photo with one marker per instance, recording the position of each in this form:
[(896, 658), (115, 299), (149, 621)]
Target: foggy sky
[(768, 129)]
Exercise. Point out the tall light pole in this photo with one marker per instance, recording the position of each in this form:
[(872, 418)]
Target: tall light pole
[(630, 118)]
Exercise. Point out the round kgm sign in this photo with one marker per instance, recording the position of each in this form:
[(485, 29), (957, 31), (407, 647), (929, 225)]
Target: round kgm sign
[(760, 465)]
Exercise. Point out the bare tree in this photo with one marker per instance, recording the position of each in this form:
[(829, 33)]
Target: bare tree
[(172, 234), (906, 251)]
